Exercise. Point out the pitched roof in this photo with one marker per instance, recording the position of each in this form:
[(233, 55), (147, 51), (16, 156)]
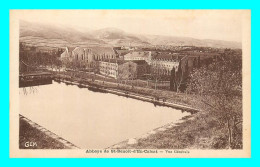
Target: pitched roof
[(138, 54), (118, 61), (139, 62), (70, 49), (78, 50), (167, 56), (102, 50), (122, 52)]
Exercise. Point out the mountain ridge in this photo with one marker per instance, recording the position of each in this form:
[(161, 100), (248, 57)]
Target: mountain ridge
[(111, 37)]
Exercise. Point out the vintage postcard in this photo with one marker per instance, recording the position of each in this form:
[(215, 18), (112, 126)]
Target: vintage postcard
[(130, 83)]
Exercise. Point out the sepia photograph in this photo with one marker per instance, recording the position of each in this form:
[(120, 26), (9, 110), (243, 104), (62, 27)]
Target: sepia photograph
[(130, 83)]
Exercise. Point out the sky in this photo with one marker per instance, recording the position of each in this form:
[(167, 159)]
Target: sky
[(201, 24)]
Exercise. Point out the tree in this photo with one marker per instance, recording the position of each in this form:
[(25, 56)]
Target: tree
[(120, 76), (132, 72), (157, 72), (199, 64), (179, 77), (95, 67), (127, 71), (220, 85), (172, 80), (58, 64)]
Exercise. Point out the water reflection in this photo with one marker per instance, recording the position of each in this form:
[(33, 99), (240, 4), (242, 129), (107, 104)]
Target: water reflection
[(92, 119), (29, 90)]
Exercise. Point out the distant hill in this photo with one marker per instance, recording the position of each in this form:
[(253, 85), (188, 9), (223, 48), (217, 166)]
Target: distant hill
[(186, 41), (49, 35), (54, 32)]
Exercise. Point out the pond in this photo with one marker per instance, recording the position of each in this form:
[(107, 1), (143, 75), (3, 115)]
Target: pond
[(92, 120)]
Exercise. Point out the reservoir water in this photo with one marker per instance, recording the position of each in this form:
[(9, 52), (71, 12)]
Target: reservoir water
[(92, 120)]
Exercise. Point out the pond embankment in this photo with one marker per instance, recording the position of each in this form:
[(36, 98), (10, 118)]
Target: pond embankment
[(34, 136)]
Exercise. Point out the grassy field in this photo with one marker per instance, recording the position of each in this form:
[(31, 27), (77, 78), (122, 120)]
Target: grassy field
[(196, 133)]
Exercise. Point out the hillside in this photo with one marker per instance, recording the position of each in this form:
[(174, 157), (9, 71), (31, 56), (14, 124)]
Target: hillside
[(60, 36)]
